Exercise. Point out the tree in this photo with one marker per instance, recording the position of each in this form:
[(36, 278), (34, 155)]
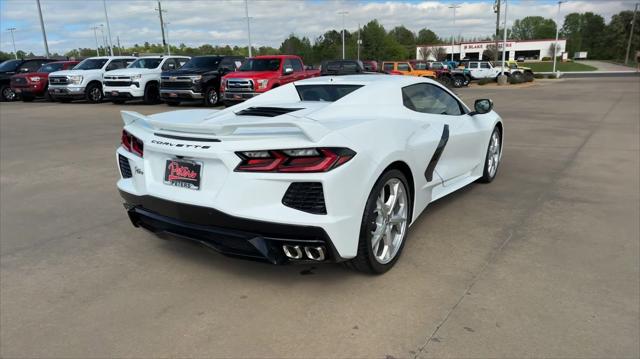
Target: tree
[(533, 27), (373, 46), (617, 35), (295, 46), (440, 53), (491, 53), (427, 37)]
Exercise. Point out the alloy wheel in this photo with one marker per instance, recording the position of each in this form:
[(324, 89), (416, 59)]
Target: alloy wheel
[(96, 94), (8, 94), (212, 97), (390, 221), (494, 154)]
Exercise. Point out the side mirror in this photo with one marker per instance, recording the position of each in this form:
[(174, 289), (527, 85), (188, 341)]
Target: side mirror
[(288, 70), (482, 106)]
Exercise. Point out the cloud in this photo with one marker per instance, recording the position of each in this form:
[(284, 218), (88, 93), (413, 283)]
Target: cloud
[(222, 22)]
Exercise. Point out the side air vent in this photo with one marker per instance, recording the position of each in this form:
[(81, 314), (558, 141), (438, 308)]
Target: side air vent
[(266, 111), (305, 196), (125, 168)]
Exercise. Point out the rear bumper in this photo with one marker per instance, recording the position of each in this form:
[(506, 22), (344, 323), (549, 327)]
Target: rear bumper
[(230, 235)]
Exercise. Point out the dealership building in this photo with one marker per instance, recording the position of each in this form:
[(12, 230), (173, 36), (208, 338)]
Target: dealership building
[(529, 49)]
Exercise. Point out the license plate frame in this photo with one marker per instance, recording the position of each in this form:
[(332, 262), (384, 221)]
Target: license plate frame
[(183, 173)]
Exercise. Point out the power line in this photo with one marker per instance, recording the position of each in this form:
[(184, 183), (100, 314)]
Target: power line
[(13, 40)]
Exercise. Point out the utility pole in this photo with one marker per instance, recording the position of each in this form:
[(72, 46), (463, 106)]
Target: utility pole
[(343, 13), (104, 2), (15, 53), (44, 32), (162, 26), (504, 42), (246, 13), (496, 9), (95, 33), (633, 22), (119, 48), (453, 37), (555, 46)]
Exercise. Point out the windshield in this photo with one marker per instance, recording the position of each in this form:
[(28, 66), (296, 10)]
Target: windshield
[(206, 62), (9, 65), (91, 64), (324, 93), (51, 67), (261, 65), (145, 64)]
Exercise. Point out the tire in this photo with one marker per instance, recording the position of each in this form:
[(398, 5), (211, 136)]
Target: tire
[(445, 80), (493, 157), (518, 76), (93, 93), (528, 76), (467, 80), (458, 81), (151, 94), (173, 103), (211, 97), (372, 258), (6, 93)]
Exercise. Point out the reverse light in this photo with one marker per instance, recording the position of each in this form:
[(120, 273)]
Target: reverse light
[(132, 143), (294, 160), (262, 84)]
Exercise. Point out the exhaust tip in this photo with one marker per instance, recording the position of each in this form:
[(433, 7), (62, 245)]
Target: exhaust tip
[(315, 253), (292, 252)]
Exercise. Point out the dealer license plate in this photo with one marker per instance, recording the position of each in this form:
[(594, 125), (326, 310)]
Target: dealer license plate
[(182, 173)]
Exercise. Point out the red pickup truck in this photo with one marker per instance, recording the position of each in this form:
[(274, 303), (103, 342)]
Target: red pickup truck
[(260, 74), (34, 84)]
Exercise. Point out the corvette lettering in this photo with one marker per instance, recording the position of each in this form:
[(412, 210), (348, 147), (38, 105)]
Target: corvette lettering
[(180, 145)]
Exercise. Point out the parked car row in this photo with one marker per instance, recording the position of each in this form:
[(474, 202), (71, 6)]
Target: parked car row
[(208, 79)]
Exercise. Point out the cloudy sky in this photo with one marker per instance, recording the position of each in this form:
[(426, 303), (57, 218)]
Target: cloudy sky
[(221, 22)]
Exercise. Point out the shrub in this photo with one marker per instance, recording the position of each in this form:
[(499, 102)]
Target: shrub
[(483, 82), (546, 58)]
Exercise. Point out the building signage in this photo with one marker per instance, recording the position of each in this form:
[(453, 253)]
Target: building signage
[(483, 46)]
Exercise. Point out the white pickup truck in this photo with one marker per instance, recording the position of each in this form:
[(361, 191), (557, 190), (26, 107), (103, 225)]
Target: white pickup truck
[(141, 80), (485, 70), (85, 80)]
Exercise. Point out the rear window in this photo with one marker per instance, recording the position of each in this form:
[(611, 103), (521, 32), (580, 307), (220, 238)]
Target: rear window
[(52, 67), (324, 93)]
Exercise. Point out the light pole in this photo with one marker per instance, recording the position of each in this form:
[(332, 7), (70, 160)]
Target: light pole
[(454, 7), (162, 24), (15, 53), (504, 42), (246, 14), (44, 33), (555, 46), (95, 34), (104, 39), (496, 9), (359, 42), (343, 13), (633, 22), (104, 2), (166, 28)]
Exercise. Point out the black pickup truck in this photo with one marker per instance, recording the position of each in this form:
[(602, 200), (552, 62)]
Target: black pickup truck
[(198, 79)]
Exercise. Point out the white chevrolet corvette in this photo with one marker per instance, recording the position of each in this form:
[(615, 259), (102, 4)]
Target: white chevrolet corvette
[(326, 169)]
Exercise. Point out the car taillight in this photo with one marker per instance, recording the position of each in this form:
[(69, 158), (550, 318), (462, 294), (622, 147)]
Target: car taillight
[(294, 160), (132, 143)]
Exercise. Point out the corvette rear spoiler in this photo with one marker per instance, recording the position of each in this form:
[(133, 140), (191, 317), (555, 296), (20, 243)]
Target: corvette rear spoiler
[(311, 129)]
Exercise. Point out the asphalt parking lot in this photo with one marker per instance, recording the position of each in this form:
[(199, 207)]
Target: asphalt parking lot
[(543, 262)]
